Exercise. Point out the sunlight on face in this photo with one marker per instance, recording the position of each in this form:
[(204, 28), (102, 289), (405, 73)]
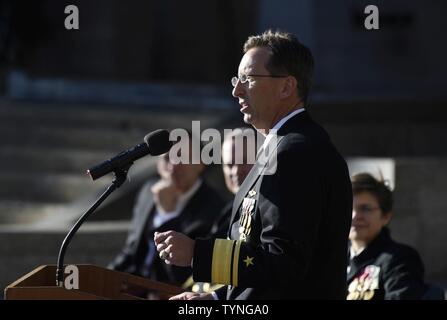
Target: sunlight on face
[(257, 97), (367, 218), (183, 175), (235, 170)]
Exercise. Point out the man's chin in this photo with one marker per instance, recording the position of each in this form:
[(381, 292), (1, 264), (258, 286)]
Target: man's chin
[(248, 119)]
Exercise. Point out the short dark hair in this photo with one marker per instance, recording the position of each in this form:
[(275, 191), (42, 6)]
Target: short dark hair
[(378, 188), (288, 56)]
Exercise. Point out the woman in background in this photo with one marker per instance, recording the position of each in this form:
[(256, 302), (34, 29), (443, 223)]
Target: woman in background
[(379, 268)]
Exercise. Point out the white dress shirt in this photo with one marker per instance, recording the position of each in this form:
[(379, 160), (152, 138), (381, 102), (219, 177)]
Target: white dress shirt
[(161, 216)]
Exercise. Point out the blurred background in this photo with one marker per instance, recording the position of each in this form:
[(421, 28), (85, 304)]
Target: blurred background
[(72, 98)]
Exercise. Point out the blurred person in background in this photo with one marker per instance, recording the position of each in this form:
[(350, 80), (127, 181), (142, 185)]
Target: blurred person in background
[(379, 268), (179, 200), (238, 156)]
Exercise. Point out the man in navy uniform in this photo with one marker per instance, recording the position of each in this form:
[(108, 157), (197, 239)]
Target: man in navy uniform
[(290, 221)]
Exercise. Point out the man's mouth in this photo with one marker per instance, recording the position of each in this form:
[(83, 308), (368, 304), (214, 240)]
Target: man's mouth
[(243, 105)]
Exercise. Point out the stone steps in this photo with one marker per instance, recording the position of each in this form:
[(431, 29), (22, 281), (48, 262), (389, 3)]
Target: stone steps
[(45, 186), (47, 159), (45, 150), (61, 138), (100, 117), (25, 213)]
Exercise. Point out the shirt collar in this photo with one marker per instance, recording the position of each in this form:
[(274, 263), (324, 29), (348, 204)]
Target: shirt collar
[(355, 253), (161, 217), (279, 124)]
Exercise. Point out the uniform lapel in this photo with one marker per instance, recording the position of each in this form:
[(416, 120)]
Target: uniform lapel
[(244, 188), (255, 172), (258, 168), (355, 268), (370, 254)]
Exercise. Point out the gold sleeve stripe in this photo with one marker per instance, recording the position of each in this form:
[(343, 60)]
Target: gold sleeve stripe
[(236, 263), (221, 264), (188, 283)]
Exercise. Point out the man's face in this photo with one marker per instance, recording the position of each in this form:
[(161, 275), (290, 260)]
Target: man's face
[(367, 218), (234, 173), (259, 96), (183, 176)]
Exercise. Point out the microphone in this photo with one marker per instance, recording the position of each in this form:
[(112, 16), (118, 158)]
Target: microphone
[(155, 143)]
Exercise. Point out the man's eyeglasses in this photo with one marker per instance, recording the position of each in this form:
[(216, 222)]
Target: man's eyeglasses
[(243, 78)]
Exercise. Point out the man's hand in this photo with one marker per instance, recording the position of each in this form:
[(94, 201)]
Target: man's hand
[(192, 296), (175, 248)]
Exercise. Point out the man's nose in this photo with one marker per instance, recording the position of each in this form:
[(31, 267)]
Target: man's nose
[(238, 89)]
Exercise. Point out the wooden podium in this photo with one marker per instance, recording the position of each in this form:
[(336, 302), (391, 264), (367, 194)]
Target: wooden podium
[(95, 283)]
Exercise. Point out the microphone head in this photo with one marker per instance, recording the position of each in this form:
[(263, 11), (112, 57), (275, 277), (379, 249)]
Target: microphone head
[(158, 142)]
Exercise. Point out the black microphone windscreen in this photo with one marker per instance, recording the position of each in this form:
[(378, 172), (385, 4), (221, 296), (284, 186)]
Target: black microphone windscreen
[(158, 142)]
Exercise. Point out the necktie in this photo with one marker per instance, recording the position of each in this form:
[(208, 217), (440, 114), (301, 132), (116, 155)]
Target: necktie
[(149, 260)]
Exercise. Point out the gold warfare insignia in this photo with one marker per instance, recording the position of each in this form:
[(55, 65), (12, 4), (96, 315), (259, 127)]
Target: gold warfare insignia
[(249, 261), (364, 286), (248, 206)]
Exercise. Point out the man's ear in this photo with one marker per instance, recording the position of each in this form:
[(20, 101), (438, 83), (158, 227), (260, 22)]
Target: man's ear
[(288, 88)]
